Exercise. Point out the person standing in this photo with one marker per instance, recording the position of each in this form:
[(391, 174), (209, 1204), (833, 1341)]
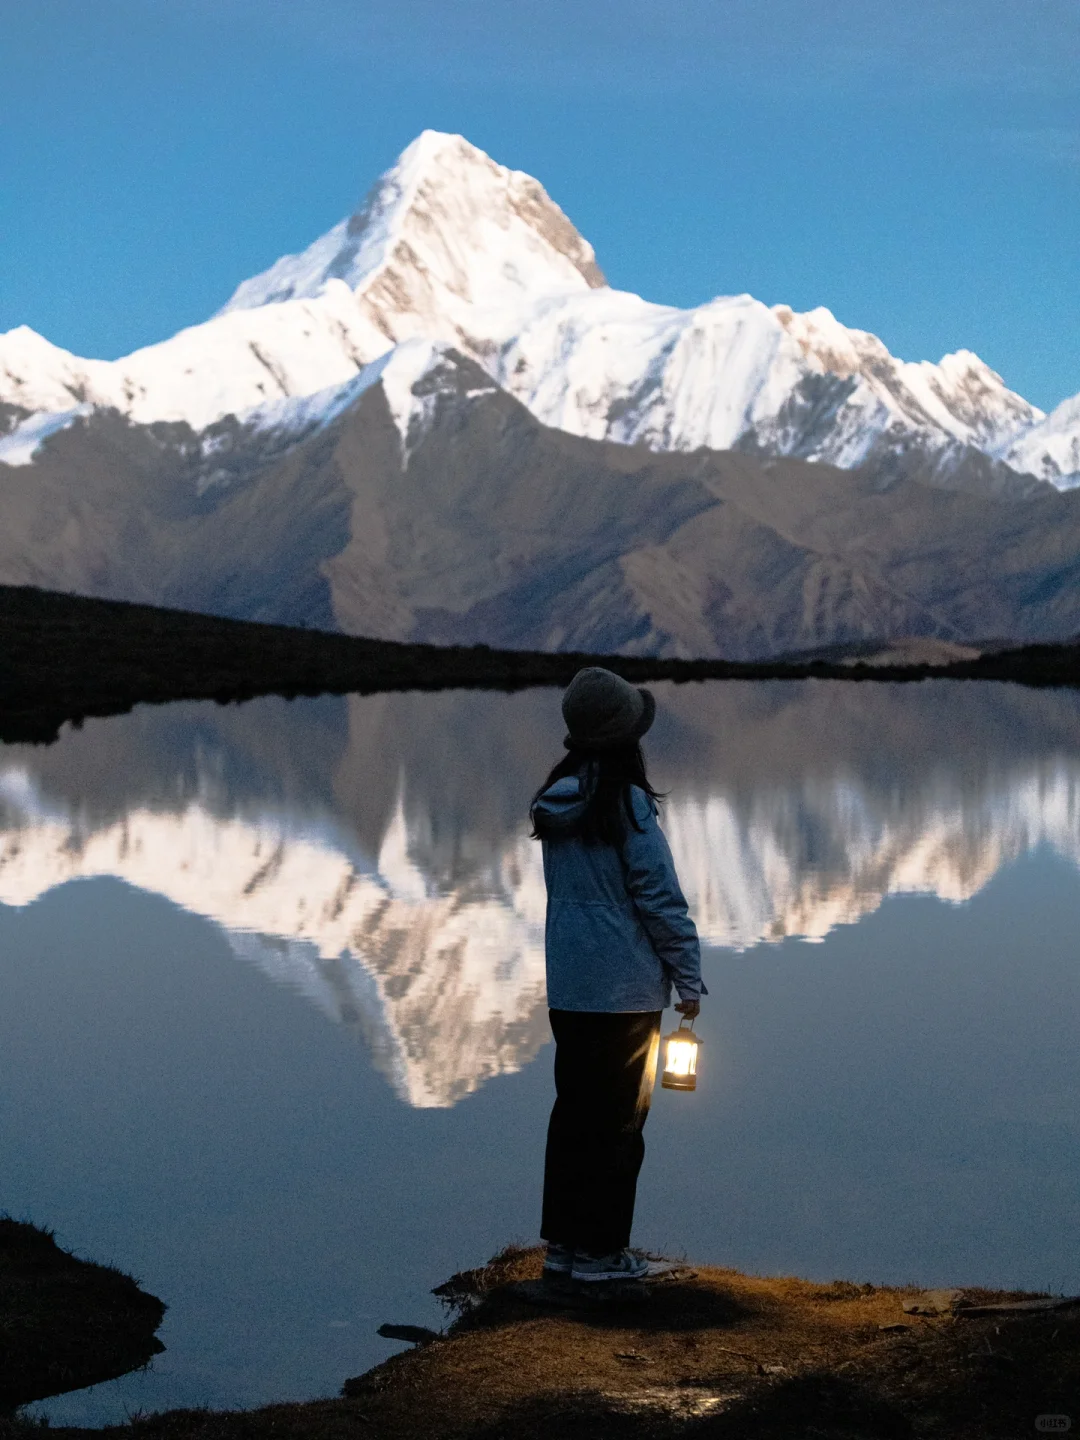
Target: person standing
[(618, 936)]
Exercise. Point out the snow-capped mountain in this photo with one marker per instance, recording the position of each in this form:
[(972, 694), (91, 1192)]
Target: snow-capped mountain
[(1051, 449), (452, 247), (737, 374), (444, 237), (419, 501), (449, 246)]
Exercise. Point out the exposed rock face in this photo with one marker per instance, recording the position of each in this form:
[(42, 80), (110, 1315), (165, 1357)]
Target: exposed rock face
[(445, 227)]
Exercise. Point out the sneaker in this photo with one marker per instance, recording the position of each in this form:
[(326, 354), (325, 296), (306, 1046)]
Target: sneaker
[(559, 1260), (621, 1265)]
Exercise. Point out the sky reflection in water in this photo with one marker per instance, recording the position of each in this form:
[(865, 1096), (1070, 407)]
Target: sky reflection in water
[(184, 1092)]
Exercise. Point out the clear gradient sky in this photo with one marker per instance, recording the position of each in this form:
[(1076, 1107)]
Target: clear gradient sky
[(912, 164)]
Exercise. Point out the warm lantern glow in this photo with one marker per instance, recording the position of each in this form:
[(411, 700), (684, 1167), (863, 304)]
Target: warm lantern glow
[(680, 1060)]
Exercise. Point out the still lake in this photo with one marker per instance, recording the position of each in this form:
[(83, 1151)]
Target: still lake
[(273, 1034)]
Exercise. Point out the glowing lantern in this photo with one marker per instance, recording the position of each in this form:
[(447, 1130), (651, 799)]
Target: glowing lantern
[(680, 1059)]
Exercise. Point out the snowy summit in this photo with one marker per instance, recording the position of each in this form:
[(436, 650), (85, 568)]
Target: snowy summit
[(454, 249)]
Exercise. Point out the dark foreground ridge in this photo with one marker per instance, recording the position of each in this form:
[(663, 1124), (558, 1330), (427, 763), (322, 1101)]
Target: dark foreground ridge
[(64, 657), (708, 1354), (64, 1322)]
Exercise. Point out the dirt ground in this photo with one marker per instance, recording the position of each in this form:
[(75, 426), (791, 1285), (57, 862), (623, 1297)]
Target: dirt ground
[(713, 1353)]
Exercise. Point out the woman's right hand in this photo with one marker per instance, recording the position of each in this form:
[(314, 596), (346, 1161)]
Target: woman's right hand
[(691, 1009)]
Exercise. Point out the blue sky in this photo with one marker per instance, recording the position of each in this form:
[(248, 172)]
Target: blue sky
[(914, 166)]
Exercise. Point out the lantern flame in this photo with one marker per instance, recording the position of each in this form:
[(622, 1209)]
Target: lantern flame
[(682, 1057), (680, 1060)]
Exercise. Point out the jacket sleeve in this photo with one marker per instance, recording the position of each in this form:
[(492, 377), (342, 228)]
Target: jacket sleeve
[(659, 900)]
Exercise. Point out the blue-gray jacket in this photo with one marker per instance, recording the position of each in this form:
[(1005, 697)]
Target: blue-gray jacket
[(618, 930)]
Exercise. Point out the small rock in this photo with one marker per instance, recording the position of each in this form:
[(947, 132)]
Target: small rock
[(414, 1334), (633, 1357), (668, 1270), (774, 1370), (894, 1328)]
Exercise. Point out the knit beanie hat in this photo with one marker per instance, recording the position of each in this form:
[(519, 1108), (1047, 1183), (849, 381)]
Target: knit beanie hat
[(602, 710)]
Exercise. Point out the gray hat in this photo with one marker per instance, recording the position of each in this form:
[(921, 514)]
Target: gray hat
[(602, 710)]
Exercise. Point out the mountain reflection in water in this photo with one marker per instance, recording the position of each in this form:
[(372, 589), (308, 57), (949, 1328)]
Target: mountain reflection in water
[(373, 852)]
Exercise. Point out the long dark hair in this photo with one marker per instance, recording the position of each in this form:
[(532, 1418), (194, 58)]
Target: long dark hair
[(607, 777)]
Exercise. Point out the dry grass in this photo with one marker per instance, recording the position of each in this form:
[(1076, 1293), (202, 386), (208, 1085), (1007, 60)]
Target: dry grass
[(721, 1354)]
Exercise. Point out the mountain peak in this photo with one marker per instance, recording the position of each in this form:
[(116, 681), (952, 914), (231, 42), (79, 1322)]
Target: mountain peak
[(473, 228), (451, 247)]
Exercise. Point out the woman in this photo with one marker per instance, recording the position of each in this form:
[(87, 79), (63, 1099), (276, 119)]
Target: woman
[(618, 936)]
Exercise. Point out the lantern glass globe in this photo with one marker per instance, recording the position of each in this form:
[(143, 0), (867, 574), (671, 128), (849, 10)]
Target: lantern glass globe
[(680, 1060)]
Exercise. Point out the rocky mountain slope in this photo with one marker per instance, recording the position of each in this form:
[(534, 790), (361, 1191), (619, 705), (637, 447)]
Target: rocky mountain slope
[(433, 507), (389, 434)]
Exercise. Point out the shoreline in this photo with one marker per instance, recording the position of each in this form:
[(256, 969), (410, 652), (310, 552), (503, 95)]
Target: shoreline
[(66, 1323), (706, 1352), (64, 658)]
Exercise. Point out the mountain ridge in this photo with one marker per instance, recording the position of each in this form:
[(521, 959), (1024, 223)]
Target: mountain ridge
[(454, 248), (439, 425), (433, 508)]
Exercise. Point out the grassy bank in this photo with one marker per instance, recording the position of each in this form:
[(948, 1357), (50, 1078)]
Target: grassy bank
[(712, 1353), (63, 657), (64, 1322)]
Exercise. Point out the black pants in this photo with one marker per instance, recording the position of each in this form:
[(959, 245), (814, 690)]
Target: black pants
[(605, 1066)]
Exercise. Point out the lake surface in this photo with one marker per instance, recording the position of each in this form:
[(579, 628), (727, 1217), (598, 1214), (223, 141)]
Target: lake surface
[(273, 1033)]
